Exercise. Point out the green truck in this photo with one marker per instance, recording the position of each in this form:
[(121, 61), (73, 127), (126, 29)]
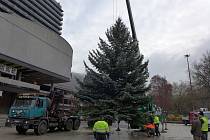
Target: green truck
[(137, 122), (141, 118)]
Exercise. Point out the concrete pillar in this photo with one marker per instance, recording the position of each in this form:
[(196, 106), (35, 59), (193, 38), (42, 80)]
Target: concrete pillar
[(19, 76), (51, 87)]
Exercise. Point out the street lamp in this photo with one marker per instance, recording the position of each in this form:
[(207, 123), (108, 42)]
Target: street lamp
[(187, 56)]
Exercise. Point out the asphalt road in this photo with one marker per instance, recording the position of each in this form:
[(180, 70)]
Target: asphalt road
[(175, 132)]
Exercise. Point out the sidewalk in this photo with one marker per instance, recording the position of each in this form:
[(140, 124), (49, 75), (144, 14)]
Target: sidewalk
[(174, 132), (3, 118), (177, 132)]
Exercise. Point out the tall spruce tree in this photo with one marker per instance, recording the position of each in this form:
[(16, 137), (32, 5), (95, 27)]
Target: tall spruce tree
[(117, 83)]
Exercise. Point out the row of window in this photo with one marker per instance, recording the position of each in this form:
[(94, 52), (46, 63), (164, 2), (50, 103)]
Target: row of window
[(47, 12)]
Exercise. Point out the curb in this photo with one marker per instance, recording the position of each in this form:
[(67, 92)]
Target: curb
[(176, 122)]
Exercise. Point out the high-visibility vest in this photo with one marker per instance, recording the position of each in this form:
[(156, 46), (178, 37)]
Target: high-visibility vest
[(156, 120), (101, 127), (205, 124)]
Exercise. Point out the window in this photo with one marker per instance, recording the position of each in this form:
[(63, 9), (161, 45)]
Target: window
[(40, 103), (66, 101)]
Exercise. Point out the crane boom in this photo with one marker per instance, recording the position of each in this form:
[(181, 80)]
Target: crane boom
[(131, 20)]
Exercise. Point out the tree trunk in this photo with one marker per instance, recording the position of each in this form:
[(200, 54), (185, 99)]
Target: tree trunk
[(118, 125)]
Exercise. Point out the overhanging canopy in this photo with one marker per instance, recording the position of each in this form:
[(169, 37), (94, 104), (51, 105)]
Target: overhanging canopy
[(17, 86)]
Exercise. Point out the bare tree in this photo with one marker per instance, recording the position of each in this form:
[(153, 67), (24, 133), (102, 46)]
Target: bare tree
[(180, 88), (183, 101), (179, 99), (201, 72), (161, 90)]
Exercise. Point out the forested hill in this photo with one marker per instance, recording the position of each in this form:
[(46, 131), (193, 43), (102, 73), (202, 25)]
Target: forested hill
[(71, 86)]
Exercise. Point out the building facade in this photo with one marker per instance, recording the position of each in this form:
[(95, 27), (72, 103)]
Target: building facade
[(46, 12), (33, 55)]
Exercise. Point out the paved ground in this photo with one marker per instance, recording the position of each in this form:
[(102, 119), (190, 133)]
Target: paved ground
[(2, 119), (175, 132)]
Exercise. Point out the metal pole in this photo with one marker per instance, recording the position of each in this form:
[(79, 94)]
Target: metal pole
[(187, 56), (131, 20)]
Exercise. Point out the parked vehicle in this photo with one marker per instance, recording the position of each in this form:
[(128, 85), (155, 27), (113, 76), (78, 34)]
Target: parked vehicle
[(42, 113), (188, 119)]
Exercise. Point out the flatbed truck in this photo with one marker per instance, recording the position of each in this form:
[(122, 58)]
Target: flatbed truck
[(42, 112)]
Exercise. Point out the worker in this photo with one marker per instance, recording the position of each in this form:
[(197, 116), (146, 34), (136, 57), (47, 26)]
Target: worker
[(204, 126), (196, 128), (151, 118), (162, 119), (157, 122), (101, 130), (165, 119)]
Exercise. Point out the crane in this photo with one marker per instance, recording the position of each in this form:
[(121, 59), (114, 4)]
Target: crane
[(131, 20)]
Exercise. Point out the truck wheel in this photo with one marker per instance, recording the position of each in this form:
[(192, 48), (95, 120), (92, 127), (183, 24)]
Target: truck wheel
[(134, 126), (21, 130), (68, 125), (76, 124), (91, 123), (185, 122), (41, 128), (148, 133)]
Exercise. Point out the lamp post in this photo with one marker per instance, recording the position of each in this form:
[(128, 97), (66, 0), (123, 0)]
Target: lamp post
[(188, 66)]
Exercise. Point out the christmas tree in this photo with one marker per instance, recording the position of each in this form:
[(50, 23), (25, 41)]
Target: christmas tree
[(117, 82)]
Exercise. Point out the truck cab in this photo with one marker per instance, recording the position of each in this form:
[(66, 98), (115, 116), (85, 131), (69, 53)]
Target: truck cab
[(191, 116), (28, 107), (43, 112), (26, 112)]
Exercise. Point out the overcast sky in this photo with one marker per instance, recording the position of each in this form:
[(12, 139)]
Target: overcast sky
[(166, 30)]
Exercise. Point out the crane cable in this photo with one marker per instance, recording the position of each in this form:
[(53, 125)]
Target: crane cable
[(115, 10)]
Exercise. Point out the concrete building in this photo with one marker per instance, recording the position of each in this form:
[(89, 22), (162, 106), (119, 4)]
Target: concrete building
[(46, 12), (32, 52)]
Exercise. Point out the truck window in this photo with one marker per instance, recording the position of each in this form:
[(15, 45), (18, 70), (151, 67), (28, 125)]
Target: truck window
[(22, 102), (40, 103)]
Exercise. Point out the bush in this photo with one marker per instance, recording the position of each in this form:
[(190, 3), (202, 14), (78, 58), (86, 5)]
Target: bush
[(174, 117)]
